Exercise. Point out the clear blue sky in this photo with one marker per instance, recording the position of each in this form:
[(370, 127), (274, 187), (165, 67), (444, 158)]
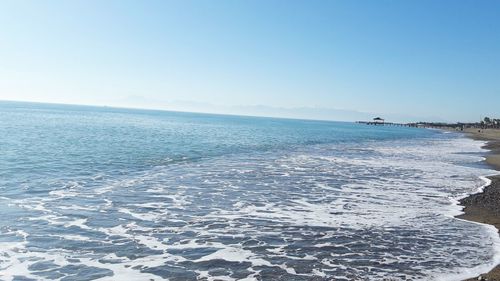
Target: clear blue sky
[(422, 57)]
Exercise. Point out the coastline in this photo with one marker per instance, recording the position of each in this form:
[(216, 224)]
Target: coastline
[(484, 207)]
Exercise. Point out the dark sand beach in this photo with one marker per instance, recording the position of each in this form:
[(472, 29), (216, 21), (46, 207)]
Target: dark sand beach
[(485, 207)]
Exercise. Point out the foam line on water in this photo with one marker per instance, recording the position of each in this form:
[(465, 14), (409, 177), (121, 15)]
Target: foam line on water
[(367, 210)]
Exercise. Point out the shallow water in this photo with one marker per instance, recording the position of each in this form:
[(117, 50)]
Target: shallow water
[(113, 194)]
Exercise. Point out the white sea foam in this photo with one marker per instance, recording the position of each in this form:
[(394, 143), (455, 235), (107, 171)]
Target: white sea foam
[(371, 210), (235, 255), (142, 216)]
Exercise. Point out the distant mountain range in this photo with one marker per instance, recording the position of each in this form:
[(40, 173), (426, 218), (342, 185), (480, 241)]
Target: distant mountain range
[(317, 113)]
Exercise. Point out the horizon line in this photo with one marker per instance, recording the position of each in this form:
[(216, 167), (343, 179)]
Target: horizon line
[(176, 111), (223, 114)]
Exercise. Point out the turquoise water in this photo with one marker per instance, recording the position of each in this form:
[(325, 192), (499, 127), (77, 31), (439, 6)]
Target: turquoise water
[(102, 193)]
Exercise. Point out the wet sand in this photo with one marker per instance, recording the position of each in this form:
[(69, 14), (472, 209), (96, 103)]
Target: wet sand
[(485, 207)]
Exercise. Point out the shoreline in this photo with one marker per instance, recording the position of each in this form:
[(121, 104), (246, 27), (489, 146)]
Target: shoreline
[(484, 207)]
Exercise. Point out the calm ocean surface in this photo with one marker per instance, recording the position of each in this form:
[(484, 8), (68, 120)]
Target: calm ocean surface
[(91, 193)]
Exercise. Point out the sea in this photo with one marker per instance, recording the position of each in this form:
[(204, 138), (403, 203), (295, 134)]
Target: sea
[(100, 193)]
